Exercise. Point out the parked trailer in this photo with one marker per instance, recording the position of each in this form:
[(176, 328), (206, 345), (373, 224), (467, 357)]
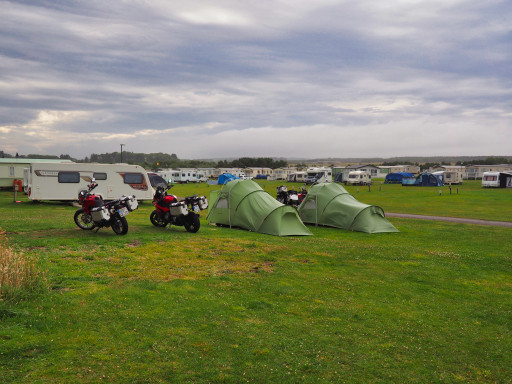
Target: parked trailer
[(359, 178), (449, 177), (297, 177), (497, 180), (62, 182)]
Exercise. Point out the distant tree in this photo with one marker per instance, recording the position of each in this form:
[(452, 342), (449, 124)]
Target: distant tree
[(426, 166), (397, 162), (245, 162)]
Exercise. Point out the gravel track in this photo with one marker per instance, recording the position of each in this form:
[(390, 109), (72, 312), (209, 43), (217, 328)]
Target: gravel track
[(452, 219)]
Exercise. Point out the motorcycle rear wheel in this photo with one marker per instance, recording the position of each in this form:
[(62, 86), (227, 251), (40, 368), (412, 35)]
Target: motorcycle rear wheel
[(157, 220), (119, 225), (192, 223), (84, 220)]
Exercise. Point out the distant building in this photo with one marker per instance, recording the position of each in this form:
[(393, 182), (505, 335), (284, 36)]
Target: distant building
[(414, 169), (476, 172), (254, 171), (12, 168)]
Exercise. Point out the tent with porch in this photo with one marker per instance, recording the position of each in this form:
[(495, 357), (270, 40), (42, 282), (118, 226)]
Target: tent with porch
[(424, 180), (225, 177), (331, 205), (244, 204), (397, 177)]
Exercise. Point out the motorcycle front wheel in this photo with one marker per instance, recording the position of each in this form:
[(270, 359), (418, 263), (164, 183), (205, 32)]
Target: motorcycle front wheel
[(119, 225), (192, 223), (157, 219), (84, 220)]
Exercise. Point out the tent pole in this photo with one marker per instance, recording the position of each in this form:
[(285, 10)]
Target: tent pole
[(316, 210), (229, 208)]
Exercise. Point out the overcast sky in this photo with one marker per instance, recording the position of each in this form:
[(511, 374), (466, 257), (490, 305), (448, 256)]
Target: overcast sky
[(284, 78)]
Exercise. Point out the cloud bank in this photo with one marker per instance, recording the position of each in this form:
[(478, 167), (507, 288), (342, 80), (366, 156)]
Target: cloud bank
[(283, 78)]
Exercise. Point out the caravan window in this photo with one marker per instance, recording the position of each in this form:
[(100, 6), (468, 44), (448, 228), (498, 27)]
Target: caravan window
[(69, 177), (490, 178), (133, 178), (100, 175)]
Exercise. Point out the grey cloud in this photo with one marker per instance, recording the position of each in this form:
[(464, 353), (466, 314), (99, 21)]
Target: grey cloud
[(262, 75)]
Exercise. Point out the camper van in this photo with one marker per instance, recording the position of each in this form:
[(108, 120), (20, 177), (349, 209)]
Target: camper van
[(185, 175), (63, 181), (318, 175), (359, 178), (166, 174), (201, 178)]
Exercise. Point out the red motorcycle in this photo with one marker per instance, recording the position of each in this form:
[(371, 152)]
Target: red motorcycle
[(173, 212), (95, 213)]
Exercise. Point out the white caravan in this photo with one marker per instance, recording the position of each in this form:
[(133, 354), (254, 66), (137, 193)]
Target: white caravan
[(491, 179), (180, 175), (297, 177), (497, 179), (318, 175), (449, 177), (62, 182), (359, 178)]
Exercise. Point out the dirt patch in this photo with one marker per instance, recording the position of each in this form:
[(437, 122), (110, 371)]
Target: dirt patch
[(192, 259)]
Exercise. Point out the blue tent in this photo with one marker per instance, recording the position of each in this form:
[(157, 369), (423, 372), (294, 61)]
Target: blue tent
[(424, 180), (225, 177), (396, 177)]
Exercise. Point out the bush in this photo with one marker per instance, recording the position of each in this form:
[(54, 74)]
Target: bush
[(18, 274)]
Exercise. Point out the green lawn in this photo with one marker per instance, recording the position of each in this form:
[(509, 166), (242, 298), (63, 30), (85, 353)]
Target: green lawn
[(431, 304)]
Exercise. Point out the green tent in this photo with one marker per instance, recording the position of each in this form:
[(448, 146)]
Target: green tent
[(330, 204), (244, 204)]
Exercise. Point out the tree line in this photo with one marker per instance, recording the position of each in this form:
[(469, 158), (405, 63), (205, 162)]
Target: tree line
[(165, 160), (160, 160)]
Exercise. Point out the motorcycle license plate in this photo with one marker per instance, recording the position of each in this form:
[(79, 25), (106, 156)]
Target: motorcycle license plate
[(123, 211)]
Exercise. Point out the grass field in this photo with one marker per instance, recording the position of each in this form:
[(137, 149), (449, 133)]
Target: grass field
[(431, 304)]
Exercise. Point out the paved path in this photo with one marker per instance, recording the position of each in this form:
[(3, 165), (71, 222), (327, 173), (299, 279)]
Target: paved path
[(452, 219)]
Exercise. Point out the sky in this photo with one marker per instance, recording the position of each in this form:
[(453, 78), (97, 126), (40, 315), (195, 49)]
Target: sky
[(281, 78)]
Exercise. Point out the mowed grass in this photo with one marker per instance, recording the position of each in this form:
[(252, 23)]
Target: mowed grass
[(431, 304)]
